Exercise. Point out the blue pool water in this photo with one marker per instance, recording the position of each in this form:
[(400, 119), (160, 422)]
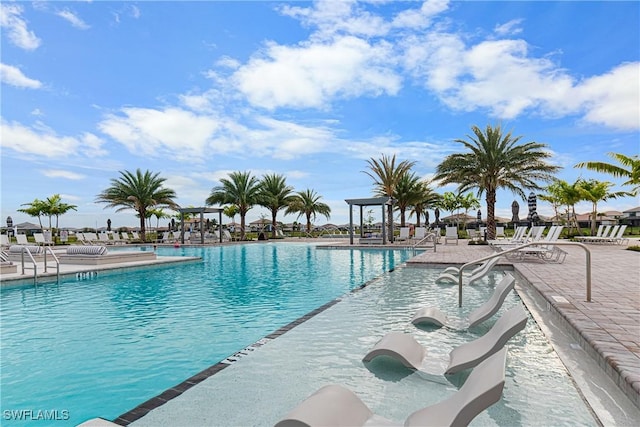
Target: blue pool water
[(100, 347)]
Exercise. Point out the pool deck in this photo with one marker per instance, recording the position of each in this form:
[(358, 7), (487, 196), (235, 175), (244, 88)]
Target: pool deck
[(607, 328)]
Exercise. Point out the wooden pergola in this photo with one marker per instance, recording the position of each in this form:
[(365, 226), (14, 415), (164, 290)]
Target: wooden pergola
[(383, 202), (201, 211)]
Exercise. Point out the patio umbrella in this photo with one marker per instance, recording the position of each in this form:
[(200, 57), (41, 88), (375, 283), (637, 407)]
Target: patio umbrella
[(515, 209), (426, 218), (532, 202), (437, 214)]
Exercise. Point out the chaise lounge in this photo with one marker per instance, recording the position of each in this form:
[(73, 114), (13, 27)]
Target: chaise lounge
[(405, 349), (450, 274), (334, 405), (431, 315)]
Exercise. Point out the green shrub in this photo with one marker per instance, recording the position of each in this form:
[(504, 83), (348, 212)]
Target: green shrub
[(634, 248)]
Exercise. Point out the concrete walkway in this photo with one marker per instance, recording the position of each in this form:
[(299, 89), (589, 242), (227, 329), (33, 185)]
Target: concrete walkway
[(608, 327)]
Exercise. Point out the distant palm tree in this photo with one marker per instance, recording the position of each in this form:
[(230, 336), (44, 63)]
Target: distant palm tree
[(468, 202), (629, 168), (597, 191), (495, 161), (35, 208), (159, 214), (242, 190), (275, 195), (568, 195), (54, 207), (139, 191), (386, 175), (427, 199), (308, 203)]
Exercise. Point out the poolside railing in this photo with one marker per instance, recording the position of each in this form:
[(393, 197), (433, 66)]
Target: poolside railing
[(498, 254)]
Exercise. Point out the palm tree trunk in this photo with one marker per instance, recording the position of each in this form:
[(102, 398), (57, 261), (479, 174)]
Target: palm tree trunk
[(242, 222), (491, 218), (142, 227), (273, 224)]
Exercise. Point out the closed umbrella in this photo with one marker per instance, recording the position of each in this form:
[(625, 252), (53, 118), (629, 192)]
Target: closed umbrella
[(532, 202)]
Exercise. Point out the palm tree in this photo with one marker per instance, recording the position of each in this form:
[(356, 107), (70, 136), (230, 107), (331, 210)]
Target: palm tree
[(451, 202), (242, 190), (308, 203), (35, 208), (427, 199), (275, 195), (629, 168), (159, 214), (495, 161), (595, 191), (408, 192), (54, 206), (468, 202), (386, 175), (569, 195), (138, 191)]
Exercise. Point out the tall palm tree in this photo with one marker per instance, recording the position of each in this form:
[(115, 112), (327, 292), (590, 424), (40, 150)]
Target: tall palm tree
[(242, 190), (629, 168), (275, 195), (35, 208), (496, 161), (139, 191), (596, 191), (308, 203), (408, 192), (386, 175)]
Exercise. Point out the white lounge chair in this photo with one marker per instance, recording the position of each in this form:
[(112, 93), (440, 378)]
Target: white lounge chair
[(41, 239), (451, 234), (619, 238), (419, 233), (434, 316), (4, 241), (404, 234), (21, 239), (546, 252), (500, 232), (334, 405), (450, 274), (405, 349)]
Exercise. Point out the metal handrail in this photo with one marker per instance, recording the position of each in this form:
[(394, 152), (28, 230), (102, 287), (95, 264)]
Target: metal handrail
[(33, 261), (426, 238), (55, 258), (542, 243)]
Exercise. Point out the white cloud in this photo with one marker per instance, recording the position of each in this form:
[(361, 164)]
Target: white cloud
[(420, 18), (42, 141), (16, 27), (60, 173), (73, 19), (313, 74), (338, 17), (502, 77), (613, 99), (509, 28), (13, 76), (151, 132)]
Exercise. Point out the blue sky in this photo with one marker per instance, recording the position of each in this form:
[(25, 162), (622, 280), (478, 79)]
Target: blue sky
[(310, 90)]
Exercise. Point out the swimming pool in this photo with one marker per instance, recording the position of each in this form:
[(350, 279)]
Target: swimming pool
[(100, 347), (264, 386)]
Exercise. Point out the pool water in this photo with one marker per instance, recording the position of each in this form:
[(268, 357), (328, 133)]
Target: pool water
[(262, 387), (100, 347)]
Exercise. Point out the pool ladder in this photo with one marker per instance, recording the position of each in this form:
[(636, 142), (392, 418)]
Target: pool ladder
[(34, 265)]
